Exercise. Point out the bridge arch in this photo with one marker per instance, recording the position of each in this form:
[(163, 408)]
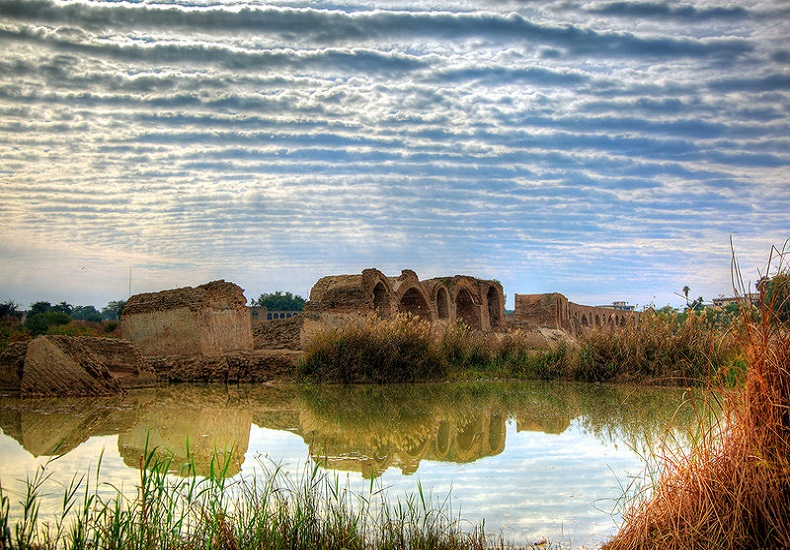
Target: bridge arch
[(494, 306), (466, 310), (414, 301), (442, 303), (381, 300)]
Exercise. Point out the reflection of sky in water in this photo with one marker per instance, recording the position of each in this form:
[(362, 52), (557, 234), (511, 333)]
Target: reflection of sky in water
[(543, 485), (561, 485)]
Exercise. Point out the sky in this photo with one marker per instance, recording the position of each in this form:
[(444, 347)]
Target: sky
[(602, 149)]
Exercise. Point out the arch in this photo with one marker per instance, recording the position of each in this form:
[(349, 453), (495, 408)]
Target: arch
[(597, 320), (415, 303), (381, 301), (496, 433), (268, 316), (494, 306), (442, 303), (443, 439), (466, 310), (585, 322)]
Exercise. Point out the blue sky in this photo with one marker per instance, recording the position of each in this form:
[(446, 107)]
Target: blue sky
[(605, 150)]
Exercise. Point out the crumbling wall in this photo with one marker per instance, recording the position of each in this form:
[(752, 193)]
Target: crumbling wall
[(279, 333), (82, 366), (338, 300), (210, 319)]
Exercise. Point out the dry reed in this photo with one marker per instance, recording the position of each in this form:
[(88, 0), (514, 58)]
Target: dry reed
[(732, 489)]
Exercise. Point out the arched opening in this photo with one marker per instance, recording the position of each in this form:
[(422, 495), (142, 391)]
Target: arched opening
[(413, 302), (381, 301), (466, 310), (585, 322), (597, 321), (268, 316), (443, 304), (494, 307), (496, 433)]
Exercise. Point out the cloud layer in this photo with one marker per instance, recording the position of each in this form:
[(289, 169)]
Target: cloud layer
[(606, 150)]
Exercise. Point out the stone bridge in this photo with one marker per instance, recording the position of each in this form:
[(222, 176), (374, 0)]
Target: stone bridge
[(335, 300), (555, 311)]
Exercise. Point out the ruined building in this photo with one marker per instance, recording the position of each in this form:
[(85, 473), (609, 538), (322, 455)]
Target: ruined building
[(339, 299), (210, 319), (555, 311)]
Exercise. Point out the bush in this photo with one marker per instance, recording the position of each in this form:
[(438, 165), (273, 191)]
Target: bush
[(732, 488), (40, 323), (379, 351)]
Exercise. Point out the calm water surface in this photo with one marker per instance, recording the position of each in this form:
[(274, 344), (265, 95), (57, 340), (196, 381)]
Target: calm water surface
[(534, 459)]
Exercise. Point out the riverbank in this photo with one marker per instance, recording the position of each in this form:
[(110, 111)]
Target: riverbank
[(676, 349)]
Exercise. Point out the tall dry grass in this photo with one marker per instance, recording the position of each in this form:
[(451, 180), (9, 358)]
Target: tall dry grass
[(409, 349), (732, 489), (675, 348)]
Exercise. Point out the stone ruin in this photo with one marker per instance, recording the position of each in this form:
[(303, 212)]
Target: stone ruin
[(73, 366), (339, 299), (555, 311), (208, 320)]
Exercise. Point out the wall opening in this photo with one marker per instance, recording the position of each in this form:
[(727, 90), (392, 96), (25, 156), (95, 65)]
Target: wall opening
[(381, 301), (466, 310), (443, 304), (494, 307), (413, 302)]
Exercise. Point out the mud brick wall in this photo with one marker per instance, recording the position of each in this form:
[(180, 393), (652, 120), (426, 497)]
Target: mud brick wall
[(210, 319)]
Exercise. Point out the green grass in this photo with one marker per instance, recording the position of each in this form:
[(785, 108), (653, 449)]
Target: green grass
[(271, 511)]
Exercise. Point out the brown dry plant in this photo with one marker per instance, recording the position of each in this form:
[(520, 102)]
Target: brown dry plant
[(732, 489)]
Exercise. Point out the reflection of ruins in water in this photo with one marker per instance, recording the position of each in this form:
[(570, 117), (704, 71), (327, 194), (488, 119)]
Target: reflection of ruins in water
[(360, 428), (445, 439)]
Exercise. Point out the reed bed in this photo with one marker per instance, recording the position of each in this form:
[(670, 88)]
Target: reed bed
[(680, 349), (732, 489), (674, 348), (271, 512)]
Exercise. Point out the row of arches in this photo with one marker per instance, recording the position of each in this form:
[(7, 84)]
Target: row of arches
[(601, 318), (477, 303)]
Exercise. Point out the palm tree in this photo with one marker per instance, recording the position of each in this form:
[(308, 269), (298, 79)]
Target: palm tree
[(686, 290)]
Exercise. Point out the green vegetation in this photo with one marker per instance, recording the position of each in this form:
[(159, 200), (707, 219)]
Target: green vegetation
[(63, 318), (279, 301), (269, 512), (676, 348)]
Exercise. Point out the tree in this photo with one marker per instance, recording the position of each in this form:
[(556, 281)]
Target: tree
[(86, 313), (10, 309), (775, 294), (279, 301), (63, 307), (40, 323), (686, 290), (112, 311), (39, 307)]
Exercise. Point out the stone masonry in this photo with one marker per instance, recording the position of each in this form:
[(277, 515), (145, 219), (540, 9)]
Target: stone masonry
[(208, 320)]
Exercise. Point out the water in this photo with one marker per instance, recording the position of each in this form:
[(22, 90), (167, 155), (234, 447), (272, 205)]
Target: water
[(535, 460)]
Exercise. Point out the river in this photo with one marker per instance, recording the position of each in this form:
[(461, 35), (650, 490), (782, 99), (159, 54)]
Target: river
[(536, 460)]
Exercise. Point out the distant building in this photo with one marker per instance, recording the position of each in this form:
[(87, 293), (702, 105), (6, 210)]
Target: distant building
[(619, 306), (261, 314), (723, 301)]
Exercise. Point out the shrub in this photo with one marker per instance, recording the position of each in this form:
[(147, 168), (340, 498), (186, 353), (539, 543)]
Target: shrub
[(678, 348), (379, 351), (40, 323)]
